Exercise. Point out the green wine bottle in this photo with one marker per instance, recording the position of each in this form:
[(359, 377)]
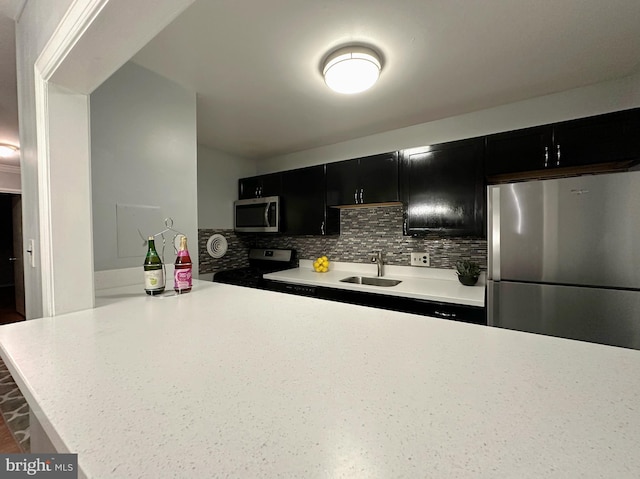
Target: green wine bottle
[(153, 270)]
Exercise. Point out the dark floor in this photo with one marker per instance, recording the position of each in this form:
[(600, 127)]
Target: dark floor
[(8, 444), (8, 314)]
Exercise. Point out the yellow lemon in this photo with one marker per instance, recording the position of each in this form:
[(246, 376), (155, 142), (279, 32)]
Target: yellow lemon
[(321, 264)]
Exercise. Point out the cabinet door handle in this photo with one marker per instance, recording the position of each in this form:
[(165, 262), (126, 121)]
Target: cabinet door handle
[(255, 192), (361, 195), (558, 156), (442, 314), (322, 228), (355, 196), (404, 227), (546, 156)]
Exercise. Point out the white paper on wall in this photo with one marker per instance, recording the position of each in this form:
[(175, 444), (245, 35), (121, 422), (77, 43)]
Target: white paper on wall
[(135, 223)]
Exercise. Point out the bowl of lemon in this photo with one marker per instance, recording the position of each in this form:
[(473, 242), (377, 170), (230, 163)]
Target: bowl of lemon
[(321, 265)]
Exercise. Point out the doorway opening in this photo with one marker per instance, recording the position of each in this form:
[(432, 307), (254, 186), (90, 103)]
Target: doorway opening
[(12, 307)]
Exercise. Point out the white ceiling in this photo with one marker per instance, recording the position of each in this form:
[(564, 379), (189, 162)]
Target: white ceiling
[(255, 64), (11, 8)]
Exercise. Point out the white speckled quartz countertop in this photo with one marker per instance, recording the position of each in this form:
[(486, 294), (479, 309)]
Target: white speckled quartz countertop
[(431, 284), (227, 381)]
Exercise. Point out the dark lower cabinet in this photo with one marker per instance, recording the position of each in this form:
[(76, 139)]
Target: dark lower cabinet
[(449, 311), (443, 189), (303, 203)]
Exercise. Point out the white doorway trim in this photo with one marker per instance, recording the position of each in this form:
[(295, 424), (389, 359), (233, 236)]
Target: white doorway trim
[(93, 39), (76, 21)]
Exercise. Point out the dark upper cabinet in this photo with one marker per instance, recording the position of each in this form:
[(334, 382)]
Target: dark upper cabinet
[(260, 186), (443, 189), (597, 140), (303, 208), (342, 183), (521, 150), (371, 179)]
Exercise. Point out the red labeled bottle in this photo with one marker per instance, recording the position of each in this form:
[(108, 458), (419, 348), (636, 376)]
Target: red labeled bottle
[(182, 273)]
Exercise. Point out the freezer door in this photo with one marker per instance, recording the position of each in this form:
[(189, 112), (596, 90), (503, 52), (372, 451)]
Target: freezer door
[(596, 315), (577, 231)]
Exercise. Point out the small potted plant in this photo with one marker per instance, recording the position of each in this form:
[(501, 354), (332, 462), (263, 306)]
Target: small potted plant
[(468, 272)]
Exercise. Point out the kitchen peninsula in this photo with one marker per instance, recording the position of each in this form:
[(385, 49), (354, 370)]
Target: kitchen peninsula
[(234, 382)]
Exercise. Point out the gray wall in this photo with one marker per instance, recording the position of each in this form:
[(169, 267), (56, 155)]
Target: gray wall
[(143, 152), (218, 175), (580, 102), (10, 179), (37, 23)]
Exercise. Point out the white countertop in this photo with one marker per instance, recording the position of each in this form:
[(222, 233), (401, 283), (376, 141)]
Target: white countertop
[(227, 381), (431, 284)]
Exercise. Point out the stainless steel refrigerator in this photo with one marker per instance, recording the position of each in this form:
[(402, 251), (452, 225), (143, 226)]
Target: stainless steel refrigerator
[(564, 257)]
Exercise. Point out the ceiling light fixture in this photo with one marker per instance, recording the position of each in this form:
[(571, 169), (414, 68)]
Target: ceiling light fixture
[(7, 150), (351, 69)]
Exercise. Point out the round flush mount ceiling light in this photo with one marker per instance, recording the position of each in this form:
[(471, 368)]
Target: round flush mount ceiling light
[(351, 69), (7, 150)]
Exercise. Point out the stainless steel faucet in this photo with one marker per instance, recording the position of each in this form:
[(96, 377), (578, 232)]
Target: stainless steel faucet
[(379, 260)]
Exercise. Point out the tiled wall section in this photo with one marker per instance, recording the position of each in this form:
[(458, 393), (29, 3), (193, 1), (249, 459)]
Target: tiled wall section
[(363, 230), (235, 257)]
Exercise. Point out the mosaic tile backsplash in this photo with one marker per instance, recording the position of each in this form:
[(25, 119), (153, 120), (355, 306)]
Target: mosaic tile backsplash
[(363, 230)]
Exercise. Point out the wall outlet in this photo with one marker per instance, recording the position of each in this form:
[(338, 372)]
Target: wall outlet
[(420, 259)]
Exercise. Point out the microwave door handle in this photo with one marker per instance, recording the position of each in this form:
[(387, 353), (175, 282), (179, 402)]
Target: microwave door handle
[(266, 214)]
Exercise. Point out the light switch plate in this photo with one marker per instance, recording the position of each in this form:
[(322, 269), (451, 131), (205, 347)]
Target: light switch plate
[(31, 249), (420, 259)]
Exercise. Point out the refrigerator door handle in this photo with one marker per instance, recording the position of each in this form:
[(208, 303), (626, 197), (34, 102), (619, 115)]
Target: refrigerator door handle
[(493, 233)]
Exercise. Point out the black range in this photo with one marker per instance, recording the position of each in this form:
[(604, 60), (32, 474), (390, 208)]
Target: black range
[(261, 261)]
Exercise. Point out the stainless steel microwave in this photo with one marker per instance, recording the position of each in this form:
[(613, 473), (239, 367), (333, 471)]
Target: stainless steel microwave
[(257, 215)]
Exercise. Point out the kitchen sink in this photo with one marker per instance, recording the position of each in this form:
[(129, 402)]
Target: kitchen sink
[(371, 281)]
